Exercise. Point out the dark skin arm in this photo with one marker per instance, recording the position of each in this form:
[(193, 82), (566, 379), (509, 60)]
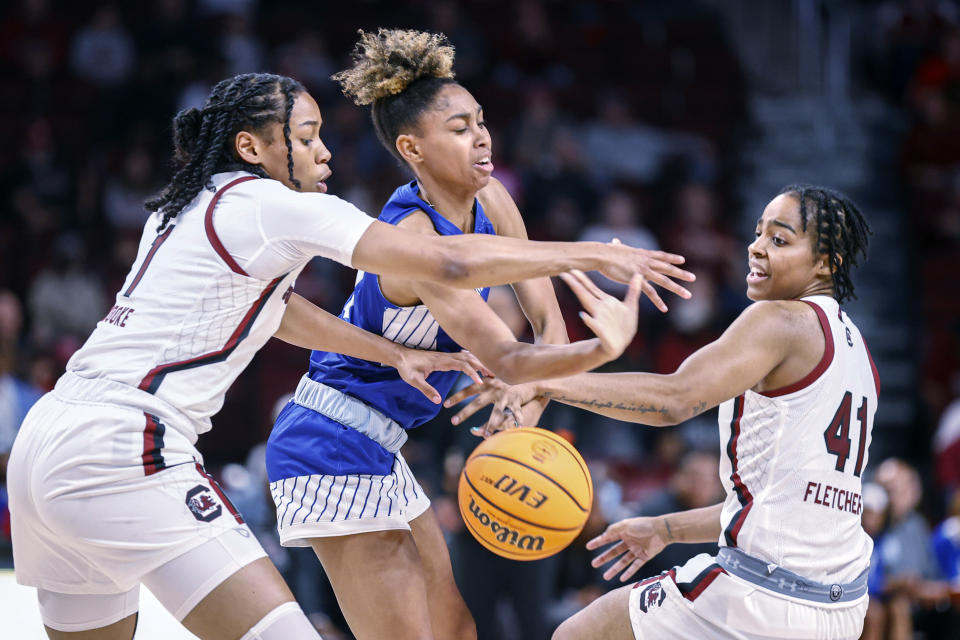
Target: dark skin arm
[(474, 325), (637, 540), (308, 326), (771, 344), (479, 260), (536, 297)]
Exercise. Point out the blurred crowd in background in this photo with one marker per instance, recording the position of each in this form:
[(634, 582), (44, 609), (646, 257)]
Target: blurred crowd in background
[(609, 120)]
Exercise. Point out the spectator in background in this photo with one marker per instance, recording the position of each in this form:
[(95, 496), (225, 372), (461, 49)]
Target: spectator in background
[(562, 220), (907, 552), (911, 576), (42, 169), (931, 148), (528, 43), (102, 51), (66, 300), (561, 173), (16, 398), (306, 58), (911, 29), (620, 147), (692, 324), (888, 611), (169, 41), (221, 8), (698, 228), (471, 46), (240, 46), (946, 542), (34, 39), (537, 128), (621, 218), (126, 190)]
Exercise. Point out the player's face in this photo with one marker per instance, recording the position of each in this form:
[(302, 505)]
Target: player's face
[(783, 264), (310, 156), (455, 146)]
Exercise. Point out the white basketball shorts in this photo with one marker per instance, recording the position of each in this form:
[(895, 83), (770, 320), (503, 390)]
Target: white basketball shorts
[(94, 509), (701, 600), (318, 506)]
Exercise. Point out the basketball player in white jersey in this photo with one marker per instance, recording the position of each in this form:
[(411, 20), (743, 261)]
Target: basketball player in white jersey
[(107, 489), (797, 391)]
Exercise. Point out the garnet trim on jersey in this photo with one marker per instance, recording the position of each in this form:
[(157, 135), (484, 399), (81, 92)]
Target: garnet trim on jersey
[(153, 445), (151, 381), (220, 494), (159, 240), (692, 590), (689, 590), (873, 368), (212, 233), (743, 494), (821, 366)]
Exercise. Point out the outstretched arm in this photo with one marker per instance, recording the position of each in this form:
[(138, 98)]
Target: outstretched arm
[(637, 540), (306, 325), (475, 326), (536, 296), (477, 260), (758, 342)]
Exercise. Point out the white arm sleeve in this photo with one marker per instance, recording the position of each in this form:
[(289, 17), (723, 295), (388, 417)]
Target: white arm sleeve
[(277, 229)]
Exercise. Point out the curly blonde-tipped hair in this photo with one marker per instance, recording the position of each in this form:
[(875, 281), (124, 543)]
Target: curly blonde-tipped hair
[(386, 62)]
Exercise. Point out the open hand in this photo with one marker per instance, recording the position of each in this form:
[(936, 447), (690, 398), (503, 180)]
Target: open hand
[(656, 267), (613, 321), (414, 365), (508, 405), (636, 540)]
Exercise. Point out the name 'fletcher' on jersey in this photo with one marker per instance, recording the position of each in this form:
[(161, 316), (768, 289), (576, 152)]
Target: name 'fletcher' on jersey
[(840, 499)]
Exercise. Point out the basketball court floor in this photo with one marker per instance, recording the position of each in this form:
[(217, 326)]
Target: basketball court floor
[(21, 617)]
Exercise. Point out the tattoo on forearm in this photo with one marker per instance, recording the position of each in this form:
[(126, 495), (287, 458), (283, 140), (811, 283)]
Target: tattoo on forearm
[(698, 408), (666, 521), (609, 404)]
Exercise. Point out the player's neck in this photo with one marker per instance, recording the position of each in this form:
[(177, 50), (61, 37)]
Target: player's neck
[(455, 206)]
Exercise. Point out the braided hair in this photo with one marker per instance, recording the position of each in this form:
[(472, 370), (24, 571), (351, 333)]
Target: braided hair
[(204, 138), (399, 73), (842, 232)]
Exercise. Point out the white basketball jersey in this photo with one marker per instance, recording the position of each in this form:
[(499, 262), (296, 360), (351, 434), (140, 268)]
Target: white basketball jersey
[(791, 460), (205, 294)]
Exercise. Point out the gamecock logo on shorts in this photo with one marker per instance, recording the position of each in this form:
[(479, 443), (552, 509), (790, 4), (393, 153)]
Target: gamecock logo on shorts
[(202, 505), (652, 596)]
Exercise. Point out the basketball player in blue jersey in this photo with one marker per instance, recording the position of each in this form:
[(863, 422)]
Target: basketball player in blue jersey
[(338, 479), (797, 391), (107, 488)]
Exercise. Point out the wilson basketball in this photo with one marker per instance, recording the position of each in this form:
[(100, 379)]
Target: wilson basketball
[(525, 493)]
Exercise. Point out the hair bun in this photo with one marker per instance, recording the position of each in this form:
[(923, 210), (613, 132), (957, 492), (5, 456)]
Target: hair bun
[(387, 62), (186, 130)]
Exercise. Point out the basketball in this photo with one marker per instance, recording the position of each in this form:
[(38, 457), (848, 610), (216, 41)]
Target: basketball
[(525, 493)]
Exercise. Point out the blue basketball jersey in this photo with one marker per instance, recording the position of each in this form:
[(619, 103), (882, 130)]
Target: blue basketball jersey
[(297, 446)]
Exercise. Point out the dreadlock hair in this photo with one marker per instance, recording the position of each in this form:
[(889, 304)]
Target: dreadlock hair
[(203, 139), (399, 73), (842, 232)]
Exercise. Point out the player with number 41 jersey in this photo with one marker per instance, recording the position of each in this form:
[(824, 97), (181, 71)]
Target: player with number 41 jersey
[(794, 456), (797, 391)]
